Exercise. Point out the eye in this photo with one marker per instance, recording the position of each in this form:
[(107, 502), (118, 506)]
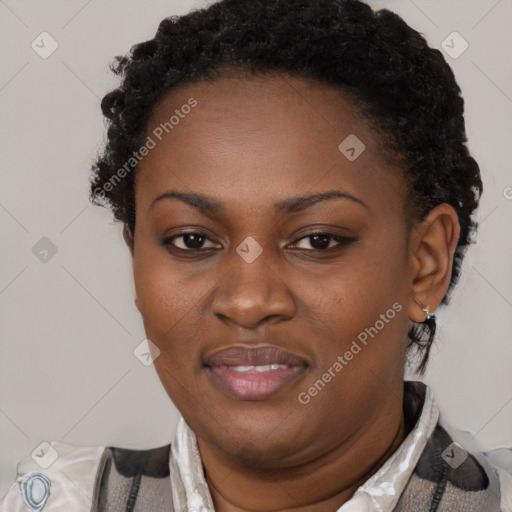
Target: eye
[(190, 241), (323, 241), (193, 241)]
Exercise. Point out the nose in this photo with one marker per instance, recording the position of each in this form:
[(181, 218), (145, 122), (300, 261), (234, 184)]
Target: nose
[(251, 293)]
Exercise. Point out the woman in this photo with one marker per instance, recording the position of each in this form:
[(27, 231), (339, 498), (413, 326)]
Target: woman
[(297, 197)]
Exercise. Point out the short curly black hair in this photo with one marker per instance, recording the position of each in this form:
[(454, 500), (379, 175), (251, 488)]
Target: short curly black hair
[(394, 78)]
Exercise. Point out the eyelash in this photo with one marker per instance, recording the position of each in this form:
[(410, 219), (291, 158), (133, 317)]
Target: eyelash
[(342, 242)]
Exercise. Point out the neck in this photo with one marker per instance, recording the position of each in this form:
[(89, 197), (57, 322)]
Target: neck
[(321, 485)]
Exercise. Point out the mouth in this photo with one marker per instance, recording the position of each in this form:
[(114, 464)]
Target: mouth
[(254, 373)]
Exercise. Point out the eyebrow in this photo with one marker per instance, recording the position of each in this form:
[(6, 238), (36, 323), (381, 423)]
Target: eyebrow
[(294, 204)]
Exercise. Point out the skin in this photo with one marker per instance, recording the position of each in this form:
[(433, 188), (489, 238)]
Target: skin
[(248, 144)]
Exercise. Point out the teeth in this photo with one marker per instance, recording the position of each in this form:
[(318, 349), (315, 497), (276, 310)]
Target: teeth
[(242, 368), (259, 369)]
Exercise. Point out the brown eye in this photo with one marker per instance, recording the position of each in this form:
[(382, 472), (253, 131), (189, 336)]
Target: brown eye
[(190, 241), (323, 241)]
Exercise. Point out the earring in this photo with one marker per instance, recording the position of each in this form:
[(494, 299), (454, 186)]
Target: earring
[(429, 315)]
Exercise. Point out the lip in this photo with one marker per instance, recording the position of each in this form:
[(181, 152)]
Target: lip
[(257, 385), (243, 355)]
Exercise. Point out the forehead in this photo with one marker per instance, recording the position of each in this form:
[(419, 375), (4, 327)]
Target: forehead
[(262, 138)]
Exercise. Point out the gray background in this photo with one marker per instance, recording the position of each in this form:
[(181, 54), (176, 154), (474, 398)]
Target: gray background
[(69, 325)]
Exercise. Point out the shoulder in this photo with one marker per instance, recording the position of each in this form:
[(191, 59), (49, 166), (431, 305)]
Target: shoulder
[(449, 478), (62, 477)]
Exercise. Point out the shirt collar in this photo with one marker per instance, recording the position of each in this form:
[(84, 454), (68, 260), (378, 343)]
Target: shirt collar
[(380, 493)]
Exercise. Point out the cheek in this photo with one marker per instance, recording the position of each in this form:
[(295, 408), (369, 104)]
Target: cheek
[(167, 301), (373, 278), (362, 301)]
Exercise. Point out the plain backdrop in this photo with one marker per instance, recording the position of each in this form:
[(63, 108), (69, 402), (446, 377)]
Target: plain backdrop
[(69, 325)]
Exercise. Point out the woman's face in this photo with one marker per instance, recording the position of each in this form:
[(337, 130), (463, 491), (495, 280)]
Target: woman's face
[(234, 262)]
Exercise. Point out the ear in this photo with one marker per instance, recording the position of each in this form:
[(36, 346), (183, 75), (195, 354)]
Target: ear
[(128, 238), (431, 250)]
